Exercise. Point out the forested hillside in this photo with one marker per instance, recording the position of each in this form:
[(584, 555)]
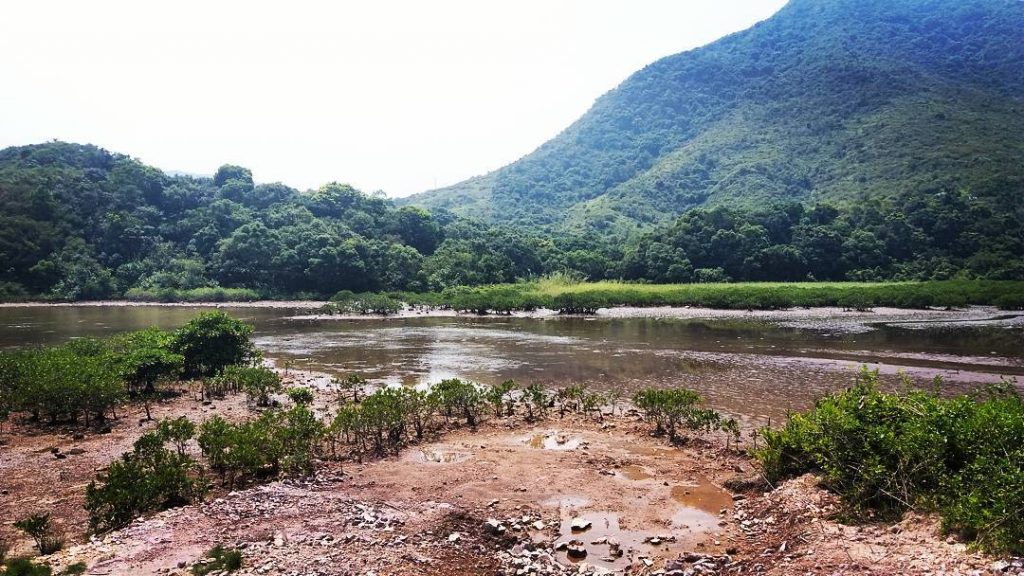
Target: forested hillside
[(837, 101), (79, 222)]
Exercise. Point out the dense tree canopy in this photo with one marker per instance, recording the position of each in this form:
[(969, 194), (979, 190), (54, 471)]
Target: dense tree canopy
[(81, 223)]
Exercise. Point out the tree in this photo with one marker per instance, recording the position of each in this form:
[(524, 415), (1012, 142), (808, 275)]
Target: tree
[(230, 172), (145, 358), (212, 341)]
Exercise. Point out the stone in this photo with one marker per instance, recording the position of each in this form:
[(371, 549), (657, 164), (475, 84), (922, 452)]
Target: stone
[(494, 527), (579, 524), (576, 549)]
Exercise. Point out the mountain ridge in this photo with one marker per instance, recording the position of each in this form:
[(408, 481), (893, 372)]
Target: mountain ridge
[(811, 104)]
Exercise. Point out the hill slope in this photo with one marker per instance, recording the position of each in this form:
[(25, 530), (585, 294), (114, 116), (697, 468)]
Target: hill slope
[(835, 100)]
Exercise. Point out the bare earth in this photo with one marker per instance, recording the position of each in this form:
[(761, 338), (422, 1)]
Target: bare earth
[(426, 511)]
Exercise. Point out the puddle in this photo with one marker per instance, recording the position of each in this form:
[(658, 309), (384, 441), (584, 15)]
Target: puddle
[(440, 456), (701, 504), (568, 502), (605, 534), (554, 441), (634, 472)]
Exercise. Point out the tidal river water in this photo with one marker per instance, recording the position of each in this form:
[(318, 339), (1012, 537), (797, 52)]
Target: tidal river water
[(754, 365)]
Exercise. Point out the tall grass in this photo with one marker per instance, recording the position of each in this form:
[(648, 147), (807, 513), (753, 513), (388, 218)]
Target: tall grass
[(569, 295)]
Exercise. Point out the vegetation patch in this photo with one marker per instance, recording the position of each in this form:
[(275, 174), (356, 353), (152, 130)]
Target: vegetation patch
[(887, 452), (218, 559), (574, 297)]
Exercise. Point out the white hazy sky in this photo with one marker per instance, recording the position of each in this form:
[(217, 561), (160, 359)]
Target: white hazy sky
[(400, 96)]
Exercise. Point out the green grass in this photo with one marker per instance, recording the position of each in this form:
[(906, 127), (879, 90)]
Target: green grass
[(214, 294), (568, 296)]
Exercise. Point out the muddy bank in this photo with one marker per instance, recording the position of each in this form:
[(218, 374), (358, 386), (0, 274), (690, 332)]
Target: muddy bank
[(828, 319), (561, 496)]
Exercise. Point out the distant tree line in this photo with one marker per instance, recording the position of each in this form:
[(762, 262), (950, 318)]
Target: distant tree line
[(81, 223)]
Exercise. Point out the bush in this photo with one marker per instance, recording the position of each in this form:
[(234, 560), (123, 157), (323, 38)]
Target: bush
[(502, 398), (62, 383), (347, 302), (669, 408), (300, 395), (25, 567), (145, 357), (535, 398), (150, 477), (886, 452), (258, 382), (218, 559), (460, 399), (275, 442), (353, 383), (212, 341), (38, 527)]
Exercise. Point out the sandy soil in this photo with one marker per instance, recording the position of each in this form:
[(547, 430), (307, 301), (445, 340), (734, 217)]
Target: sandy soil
[(426, 510)]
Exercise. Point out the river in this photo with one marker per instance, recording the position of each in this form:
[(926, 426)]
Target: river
[(756, 366)]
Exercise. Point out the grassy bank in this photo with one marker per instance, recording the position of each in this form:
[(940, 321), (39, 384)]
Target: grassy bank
[(586, 297)]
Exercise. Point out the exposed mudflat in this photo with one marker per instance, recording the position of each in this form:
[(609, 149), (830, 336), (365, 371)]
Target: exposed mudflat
[(562, 496)]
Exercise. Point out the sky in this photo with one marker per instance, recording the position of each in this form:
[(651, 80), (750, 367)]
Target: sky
[(400, 96)]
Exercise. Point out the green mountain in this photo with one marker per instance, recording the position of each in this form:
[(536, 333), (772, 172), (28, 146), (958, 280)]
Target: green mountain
[(829, 100)]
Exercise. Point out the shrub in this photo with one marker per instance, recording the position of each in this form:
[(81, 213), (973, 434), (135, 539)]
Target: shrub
[(218, 559), (353, 383), (262, 447), (150, 477), (347, 302), (62, 383), (178, 431), (459, 399), (669, 408), (258, 382), (300, 395), (535, 398), (886, 452), (145, 357), (502, 398), (39, 528), (25, 567), (212, 341)]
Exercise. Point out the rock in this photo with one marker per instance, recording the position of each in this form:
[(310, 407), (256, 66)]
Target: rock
[(454, 537), (539, 525), (494, 527), (579, 524), (614, 548), (745, 483), (999, 566), (576, 549)]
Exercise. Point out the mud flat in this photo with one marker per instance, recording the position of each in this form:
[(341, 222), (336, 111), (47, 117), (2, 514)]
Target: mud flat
[(562, 496)]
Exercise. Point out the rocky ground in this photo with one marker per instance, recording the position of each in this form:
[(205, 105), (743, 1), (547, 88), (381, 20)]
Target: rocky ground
[(566, 496)]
